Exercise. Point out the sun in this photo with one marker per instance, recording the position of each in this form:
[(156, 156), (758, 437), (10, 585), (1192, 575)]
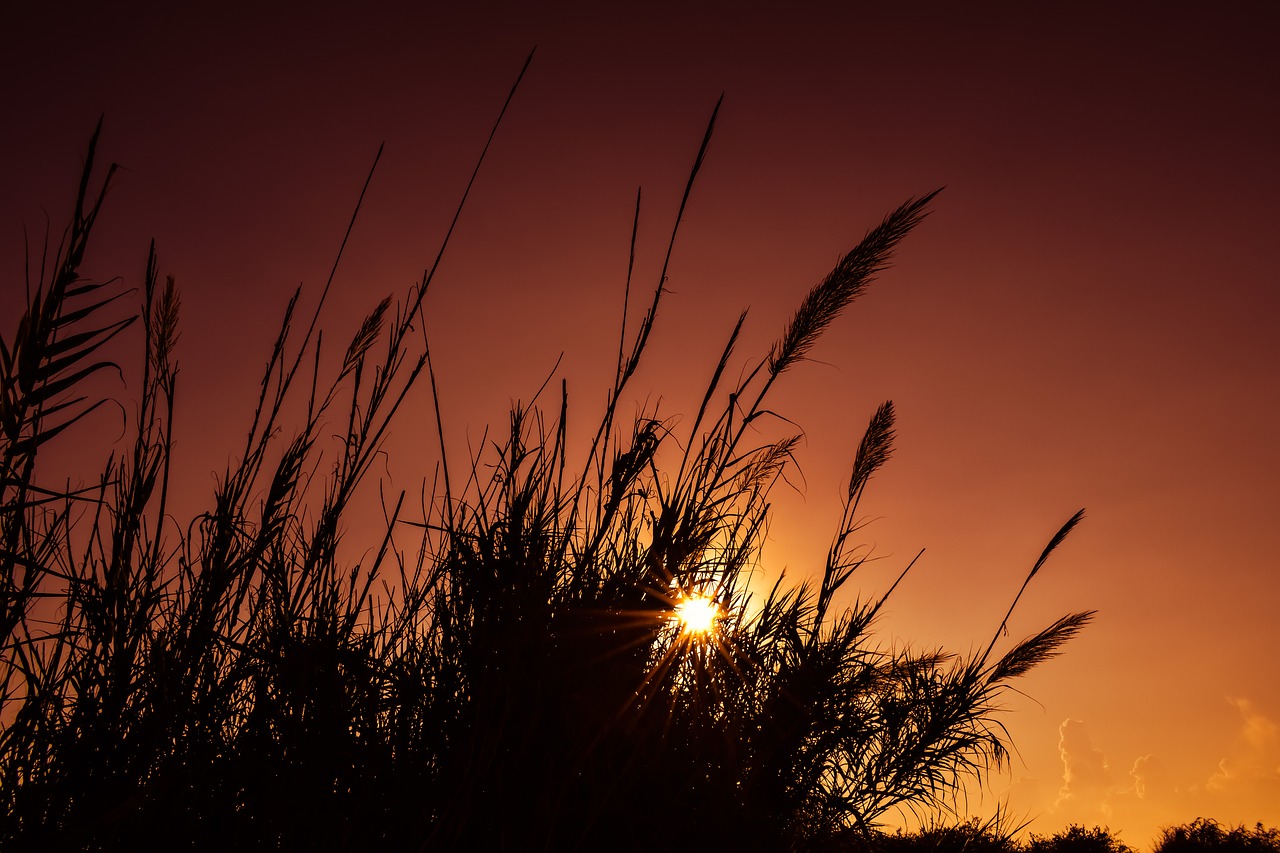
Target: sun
[(697, 615)]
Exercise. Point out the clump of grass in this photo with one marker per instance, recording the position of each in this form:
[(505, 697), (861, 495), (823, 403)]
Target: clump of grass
[(504, 672)]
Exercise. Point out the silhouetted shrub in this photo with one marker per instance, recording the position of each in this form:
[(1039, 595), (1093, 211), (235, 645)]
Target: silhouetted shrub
[(1078, 839), (972, 836), (1203, 834)]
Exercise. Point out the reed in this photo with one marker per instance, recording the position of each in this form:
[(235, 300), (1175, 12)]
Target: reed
[(505, 670)]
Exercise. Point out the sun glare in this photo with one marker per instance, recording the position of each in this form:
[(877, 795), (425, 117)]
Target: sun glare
[(697, 615)]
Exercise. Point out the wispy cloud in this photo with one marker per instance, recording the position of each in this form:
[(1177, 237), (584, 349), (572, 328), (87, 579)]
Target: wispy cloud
[(1254, 762), (1164, 789), (1086, 774), (1151, 779)]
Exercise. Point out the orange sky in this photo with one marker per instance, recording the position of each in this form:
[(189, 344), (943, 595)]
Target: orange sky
[(1089, 318)]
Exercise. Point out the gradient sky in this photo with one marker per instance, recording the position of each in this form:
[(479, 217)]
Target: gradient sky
[(1088, 319)]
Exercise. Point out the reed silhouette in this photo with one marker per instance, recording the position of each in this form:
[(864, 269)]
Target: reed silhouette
[(506, 671)]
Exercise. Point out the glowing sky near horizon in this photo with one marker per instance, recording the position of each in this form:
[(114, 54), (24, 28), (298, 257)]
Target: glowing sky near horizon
[(1088, 318)]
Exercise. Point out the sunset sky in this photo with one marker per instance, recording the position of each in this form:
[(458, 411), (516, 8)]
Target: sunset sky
[(1088, 319)]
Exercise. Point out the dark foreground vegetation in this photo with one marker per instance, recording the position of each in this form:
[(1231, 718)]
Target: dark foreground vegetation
[(503, 669), (1199, 836)]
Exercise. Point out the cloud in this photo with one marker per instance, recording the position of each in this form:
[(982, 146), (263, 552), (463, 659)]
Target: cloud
[(1085, 771), (1151, 778), (1166, 788), (1254, 764), (1260, 733)]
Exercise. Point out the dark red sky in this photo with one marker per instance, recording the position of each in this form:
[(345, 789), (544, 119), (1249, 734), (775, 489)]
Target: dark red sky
[(1089, 319)]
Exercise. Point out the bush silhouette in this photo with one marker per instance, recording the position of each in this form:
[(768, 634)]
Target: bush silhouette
[(971, 836), (1077, 839), (1203, 834), (505, 671)]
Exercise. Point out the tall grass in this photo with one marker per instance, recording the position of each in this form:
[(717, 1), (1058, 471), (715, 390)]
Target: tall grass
[(504, 672)]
